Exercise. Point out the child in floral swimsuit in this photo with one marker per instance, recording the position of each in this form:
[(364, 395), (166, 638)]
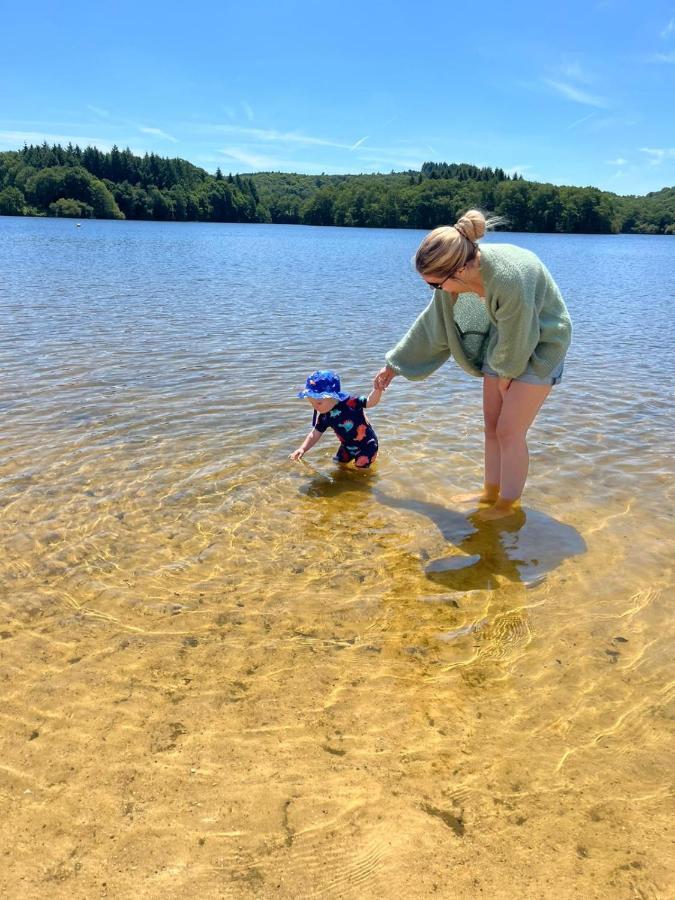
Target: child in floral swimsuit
[(335, 409)]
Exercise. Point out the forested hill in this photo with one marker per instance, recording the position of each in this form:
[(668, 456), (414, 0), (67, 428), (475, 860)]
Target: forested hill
[(69, 181)]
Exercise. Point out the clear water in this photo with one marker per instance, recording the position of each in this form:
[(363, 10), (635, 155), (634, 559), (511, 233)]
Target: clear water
[(226, 674)]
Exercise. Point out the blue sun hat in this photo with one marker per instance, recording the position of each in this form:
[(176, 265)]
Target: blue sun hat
[(323, 385)]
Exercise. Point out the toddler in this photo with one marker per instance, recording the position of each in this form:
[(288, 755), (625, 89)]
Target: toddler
[(335, 409)]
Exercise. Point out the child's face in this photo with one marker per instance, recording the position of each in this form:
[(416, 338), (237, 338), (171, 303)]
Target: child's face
[(322, 406)]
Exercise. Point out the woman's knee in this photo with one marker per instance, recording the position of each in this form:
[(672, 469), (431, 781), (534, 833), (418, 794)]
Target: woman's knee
[(509, 433)]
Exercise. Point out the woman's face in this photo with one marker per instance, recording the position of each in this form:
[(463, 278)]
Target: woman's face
[(453, 284)]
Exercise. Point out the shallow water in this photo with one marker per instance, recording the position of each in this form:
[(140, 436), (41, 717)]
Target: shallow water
[(228, 675)]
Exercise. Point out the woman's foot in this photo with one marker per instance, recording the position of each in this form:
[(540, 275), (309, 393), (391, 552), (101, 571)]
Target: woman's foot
[(488, 496), (501, 509)]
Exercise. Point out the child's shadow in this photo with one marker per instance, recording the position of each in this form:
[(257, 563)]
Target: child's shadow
[(521, 547), (341, 480)]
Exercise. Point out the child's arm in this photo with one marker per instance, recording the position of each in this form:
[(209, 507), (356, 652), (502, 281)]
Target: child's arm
[(374, 396), (312, 438)]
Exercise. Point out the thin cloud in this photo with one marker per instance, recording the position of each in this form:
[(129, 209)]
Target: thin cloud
[(157, 132), (254, 160), (667, 58), (247, 110), (658, 154), (574, 71), (616, 162), (103, 113), (359, 142), (573, 93), (580, 121), (669, 29), (14, 139), (270, 135), (260, 162), (519, 170)]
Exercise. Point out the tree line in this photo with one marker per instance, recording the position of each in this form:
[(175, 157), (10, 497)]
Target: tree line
[(69, 181)]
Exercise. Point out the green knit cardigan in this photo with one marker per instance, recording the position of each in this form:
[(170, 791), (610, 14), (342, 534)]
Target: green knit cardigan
[(521, 324)]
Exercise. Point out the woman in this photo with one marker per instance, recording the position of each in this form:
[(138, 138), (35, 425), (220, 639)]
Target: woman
[(518, 348)]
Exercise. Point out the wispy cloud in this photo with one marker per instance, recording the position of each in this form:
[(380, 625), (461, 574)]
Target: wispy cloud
[(262, 162), (658, 154), (520, 170), (254, 160), (157, 132), (269, 135), (14, 139), (575, 71), (575, 94), (580, 121), (619, 161), (667, 58), (255, 141), (669, 29), (247, 110), (102, 113)]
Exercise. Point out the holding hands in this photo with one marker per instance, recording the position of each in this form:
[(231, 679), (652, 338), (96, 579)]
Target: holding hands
[(384, 378)]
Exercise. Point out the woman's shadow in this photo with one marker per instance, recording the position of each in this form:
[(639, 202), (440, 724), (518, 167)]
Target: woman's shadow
[(521, 548)]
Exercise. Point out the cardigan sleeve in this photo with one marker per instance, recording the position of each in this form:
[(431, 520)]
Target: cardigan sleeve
[(518, 329), (425, 346)]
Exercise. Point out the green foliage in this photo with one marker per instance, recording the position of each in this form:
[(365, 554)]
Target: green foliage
[(72, 182), (71, 209), (41, 179), (12, 202)]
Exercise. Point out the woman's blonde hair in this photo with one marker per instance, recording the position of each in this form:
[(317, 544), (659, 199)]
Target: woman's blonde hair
[(450, 247)]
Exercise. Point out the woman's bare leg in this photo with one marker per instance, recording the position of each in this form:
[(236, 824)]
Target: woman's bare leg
[(492, 406), (521, 404)]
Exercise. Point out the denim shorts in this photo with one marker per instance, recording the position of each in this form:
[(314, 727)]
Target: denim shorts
[(529, 377)]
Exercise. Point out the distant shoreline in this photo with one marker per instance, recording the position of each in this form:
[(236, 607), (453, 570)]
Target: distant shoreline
[(70, 182), (81, 221)]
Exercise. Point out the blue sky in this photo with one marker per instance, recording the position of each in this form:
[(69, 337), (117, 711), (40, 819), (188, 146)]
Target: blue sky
[(569, 92)]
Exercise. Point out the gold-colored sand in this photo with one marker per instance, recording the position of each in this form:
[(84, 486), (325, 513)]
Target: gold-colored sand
[(226, 681)]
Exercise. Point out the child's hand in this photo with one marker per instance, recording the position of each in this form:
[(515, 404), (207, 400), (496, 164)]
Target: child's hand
[(297, 455)]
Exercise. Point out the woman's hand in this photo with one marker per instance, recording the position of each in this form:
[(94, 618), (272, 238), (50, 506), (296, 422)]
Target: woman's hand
[(297, 455), (384, 378)]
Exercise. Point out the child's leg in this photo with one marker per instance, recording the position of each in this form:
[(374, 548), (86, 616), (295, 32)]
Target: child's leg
[(364, 460), (521, 404), (342, 456)]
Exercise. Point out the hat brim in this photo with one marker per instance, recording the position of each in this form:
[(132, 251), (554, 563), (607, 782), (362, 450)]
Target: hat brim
[(323, 395)]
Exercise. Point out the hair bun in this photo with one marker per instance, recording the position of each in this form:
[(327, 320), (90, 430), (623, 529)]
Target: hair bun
[(471, 225)]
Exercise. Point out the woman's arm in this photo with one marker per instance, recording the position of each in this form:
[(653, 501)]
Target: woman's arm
[(423, 349)]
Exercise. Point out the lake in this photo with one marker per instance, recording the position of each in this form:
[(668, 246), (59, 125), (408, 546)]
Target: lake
[(227, 674)]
